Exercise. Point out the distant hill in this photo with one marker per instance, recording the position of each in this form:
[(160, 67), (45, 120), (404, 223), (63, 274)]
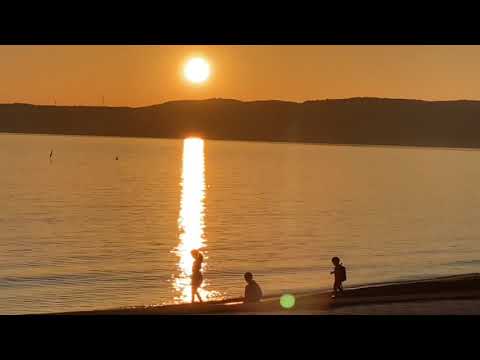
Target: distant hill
[(345, 121)]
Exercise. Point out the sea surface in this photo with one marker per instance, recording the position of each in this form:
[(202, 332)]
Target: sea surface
[(109, 222)]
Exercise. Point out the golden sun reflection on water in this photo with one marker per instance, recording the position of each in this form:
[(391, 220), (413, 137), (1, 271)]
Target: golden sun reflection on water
[(191, 220)]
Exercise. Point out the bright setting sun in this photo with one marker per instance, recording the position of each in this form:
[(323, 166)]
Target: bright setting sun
[(197, 70)]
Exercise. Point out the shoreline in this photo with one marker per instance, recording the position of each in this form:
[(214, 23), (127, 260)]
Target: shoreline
[(431, 291)]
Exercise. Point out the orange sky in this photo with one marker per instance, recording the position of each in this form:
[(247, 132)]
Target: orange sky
[(146, 75)]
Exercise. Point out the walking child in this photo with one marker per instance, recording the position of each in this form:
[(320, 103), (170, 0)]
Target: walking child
[(340, 273)]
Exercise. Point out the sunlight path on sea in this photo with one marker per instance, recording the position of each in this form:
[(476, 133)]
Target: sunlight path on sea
[(191, 220)]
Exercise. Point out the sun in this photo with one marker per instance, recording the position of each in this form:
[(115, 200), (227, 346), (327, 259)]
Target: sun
[(197, 70)]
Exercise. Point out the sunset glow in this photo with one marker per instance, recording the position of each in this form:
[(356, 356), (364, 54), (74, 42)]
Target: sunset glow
[(197, 70)]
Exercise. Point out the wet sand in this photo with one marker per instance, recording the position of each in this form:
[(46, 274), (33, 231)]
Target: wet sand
[(454, 295)]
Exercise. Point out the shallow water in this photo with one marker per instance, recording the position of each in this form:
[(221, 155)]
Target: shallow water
[(85, 231)]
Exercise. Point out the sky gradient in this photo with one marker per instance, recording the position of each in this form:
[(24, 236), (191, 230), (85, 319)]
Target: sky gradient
[(146, 75)]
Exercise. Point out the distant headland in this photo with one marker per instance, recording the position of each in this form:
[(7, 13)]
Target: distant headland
[(369, 121)]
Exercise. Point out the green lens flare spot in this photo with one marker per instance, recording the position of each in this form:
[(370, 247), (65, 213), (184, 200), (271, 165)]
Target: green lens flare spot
[(287, 301)]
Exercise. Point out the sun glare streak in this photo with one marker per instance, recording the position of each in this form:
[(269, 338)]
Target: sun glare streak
[(191, 218)]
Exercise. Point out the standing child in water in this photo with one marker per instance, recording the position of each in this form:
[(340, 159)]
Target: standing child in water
[(197, 277), (340, 275)]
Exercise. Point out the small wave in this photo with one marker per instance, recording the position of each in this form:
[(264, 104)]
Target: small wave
[(464, 262), (76, 279)]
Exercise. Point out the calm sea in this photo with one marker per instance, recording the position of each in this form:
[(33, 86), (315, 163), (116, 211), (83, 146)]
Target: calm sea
[(82, 230)]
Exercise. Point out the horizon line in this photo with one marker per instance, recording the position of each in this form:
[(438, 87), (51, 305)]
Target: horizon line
[(243, 101)]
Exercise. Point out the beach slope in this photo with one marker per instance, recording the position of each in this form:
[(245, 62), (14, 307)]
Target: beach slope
[(458, 294)]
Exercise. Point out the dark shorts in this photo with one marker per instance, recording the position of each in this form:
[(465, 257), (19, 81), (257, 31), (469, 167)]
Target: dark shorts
[(197, 280)]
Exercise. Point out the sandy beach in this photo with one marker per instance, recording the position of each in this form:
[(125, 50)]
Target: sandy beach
[(453, 295)]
